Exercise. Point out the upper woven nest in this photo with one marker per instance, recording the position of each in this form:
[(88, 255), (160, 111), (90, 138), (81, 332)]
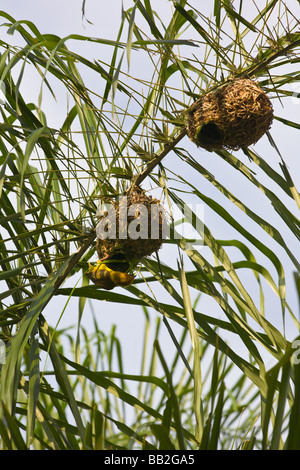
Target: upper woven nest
[(233, 117)]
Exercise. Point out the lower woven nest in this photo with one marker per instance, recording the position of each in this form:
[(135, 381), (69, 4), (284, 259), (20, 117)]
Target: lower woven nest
[(234, 117), (131, 230)]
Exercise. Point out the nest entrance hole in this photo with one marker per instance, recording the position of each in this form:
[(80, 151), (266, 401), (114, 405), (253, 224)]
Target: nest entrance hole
[(210, 134)]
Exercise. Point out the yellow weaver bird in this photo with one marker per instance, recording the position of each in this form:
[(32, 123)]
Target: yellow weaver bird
[(107, 278)]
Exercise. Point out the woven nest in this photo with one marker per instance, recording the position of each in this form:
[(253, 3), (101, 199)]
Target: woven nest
[(234, 117), (138, 226)]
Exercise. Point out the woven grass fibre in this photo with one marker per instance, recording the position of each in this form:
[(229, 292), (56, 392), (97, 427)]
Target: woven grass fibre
[(234, 117), (139, 222)]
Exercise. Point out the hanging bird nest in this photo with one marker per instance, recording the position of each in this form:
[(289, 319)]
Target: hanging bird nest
[(133, 229), (234, 117)]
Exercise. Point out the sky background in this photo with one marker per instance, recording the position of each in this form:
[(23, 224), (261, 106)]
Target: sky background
[(102, 20)]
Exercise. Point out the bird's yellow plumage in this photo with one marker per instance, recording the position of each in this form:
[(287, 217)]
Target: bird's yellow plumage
[(107, 278)]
